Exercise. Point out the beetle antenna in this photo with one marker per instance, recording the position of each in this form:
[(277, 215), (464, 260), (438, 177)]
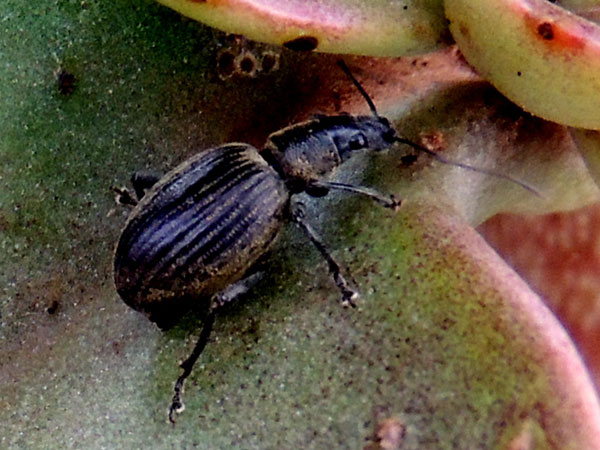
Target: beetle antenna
[(490, 172), (362, 91)]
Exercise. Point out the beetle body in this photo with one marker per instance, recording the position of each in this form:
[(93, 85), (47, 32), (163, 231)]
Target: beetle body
[(198, 230), (206, 222)]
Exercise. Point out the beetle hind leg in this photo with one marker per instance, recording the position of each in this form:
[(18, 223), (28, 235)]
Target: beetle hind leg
[(228, 295), (188, 365)]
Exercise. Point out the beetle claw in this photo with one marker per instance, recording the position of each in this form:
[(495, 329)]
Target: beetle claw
[(348, 298), (176, 407), (394, 203), (123, 196)]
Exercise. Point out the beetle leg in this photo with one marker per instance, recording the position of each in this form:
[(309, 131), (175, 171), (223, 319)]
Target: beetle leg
[(348, 294), (176, 403), (235, 290), (123, 196), (142, 181), (388, 201), (228, 295)]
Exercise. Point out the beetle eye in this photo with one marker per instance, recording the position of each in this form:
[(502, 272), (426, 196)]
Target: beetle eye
[(389, 135), (357, 142)]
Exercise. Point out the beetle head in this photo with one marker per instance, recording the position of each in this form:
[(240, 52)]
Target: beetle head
[(368, 132)]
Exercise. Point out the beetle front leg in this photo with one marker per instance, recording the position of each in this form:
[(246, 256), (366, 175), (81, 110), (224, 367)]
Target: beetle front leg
[(123, 196), (387, 201), (348, 294), (141, 182)]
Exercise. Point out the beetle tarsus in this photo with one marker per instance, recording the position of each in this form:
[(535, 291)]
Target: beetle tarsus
[(123, 196), (393, 203), (349, 295), (177, 405)]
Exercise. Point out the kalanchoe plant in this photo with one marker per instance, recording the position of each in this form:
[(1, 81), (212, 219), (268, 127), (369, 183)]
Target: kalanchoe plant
[(448, 346)]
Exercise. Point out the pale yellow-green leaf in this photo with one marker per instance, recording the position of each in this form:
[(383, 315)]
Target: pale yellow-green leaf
[(374, 27), (542, 57)]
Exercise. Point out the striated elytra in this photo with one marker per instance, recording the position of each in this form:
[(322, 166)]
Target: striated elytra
[(198, 230), (194, 237)]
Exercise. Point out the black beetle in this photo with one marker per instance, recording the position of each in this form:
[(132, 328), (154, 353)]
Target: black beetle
[(197, 232)]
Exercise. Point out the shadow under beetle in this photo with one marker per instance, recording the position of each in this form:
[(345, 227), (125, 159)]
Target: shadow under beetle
[(196, 233)]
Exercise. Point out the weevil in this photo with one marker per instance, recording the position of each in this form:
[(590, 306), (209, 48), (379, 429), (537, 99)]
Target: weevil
[(196, 233)]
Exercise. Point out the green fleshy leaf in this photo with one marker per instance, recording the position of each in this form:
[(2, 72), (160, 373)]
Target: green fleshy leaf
[(446, 341)]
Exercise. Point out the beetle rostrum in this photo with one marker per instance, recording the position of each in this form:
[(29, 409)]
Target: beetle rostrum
[(194, 236)]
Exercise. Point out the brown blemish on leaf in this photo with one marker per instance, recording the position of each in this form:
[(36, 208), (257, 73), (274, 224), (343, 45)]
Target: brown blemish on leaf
[(225, 64), (53, 307), (546, 31), (555, 33), (433, 140), (464, 30), (43, 294), (270, 62), (245, 58), (389, 435), (246, 64)]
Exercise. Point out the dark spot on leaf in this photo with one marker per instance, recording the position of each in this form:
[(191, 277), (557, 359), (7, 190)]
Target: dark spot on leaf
[(545, 31), (302, 44), (247, 64), (53, 307), (337, 101), (65, 82), (270, 62), (408, 160), (225, 64)]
